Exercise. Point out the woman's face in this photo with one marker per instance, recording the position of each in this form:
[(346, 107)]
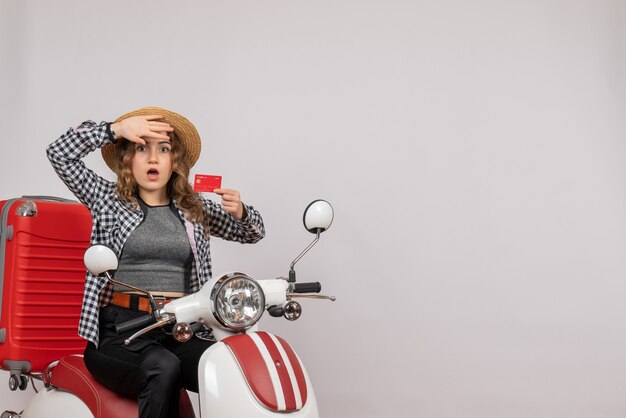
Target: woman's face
[(152, 164)]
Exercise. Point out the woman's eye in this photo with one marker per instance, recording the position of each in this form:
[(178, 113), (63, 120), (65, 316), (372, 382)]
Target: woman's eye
[(165, 149), (140, 148)]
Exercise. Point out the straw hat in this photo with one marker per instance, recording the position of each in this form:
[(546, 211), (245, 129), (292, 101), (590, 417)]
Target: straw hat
[(185, 131)]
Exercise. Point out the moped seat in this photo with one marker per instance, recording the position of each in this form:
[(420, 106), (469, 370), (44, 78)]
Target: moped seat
[(71, 375)]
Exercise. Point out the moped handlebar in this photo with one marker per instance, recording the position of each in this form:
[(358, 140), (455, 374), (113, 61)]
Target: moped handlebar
[(311, 287), (140, 322)]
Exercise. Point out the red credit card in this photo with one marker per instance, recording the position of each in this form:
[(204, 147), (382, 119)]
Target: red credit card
[(206, 183)]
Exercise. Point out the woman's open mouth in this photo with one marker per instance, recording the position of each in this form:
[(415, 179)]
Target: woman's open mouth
[(153, 174)]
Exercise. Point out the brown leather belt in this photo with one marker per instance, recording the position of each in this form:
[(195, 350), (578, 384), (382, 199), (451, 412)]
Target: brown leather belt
[(137, 302)]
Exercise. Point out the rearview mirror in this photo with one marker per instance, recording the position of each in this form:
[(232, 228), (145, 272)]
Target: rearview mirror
[(99, 259), (318, 216)]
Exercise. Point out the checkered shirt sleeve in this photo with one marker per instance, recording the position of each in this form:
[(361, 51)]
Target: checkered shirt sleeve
[(65, 156), (225, 226), (66, 153)]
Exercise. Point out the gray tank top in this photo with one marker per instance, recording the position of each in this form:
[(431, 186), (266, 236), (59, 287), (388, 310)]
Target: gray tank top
[(157, 255)]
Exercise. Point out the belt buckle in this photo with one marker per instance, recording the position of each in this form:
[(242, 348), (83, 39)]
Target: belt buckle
[(160, 301)]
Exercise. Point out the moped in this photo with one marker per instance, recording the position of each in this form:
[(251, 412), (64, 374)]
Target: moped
[(246, 373)]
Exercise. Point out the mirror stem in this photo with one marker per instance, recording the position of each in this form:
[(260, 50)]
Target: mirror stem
[(292, 272)]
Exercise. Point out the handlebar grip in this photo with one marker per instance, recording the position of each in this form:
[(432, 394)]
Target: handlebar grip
[(311, 287), (142, 321)]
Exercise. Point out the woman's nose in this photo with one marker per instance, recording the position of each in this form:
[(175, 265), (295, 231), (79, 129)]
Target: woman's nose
[(153, 156)]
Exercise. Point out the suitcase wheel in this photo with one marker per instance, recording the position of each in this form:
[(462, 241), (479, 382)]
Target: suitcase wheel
[(16, 381)]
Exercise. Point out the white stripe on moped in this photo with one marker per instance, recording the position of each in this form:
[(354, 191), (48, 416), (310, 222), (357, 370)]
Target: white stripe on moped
[(292, 375), (271, 367)]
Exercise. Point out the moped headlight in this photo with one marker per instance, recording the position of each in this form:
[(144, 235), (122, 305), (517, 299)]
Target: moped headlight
[(238, 301)]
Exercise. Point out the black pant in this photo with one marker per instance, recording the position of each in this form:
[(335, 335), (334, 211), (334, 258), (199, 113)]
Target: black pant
[(152, 368)]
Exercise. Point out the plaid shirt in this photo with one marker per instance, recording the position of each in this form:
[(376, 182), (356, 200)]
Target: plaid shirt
[(114, 220)]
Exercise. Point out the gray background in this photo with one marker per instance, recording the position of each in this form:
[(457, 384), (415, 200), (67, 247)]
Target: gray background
[(473, 151)]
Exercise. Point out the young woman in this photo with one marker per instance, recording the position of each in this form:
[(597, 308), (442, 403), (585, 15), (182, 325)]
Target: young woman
[(159, 228)]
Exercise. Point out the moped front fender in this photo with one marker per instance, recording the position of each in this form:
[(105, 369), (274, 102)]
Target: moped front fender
[(254, 375)]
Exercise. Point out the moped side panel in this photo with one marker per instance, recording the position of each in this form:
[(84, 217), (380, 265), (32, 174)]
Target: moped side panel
[(50, 403), (225, 392)]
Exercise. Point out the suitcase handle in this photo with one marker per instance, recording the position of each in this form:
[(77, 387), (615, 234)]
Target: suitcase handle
[(48, 198)]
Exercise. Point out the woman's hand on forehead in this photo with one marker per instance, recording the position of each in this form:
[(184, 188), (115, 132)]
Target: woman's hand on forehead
[(136, 128)]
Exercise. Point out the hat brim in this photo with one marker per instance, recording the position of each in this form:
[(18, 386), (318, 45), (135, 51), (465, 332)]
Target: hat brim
[(185, 131)]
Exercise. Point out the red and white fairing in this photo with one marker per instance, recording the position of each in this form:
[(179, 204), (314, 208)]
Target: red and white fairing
[(255, 374)]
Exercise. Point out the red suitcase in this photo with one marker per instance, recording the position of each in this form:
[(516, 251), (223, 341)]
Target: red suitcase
[(42, 277)]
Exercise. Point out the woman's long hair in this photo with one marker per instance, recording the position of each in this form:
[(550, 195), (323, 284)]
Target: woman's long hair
[(178, 186)]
